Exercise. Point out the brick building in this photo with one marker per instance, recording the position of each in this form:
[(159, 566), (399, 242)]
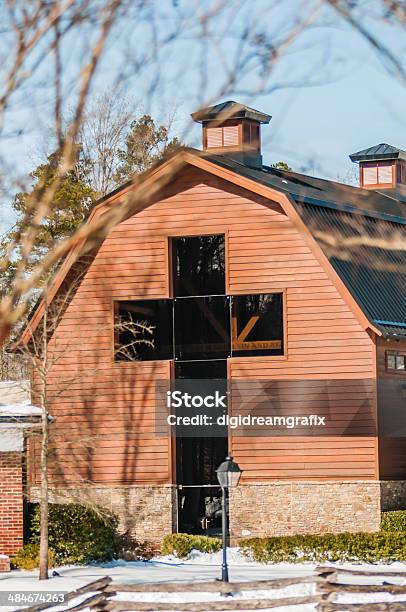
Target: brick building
[(16, 419)]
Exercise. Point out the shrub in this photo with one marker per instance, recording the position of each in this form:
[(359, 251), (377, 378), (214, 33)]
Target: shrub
[(394, 521), (181, 544), (131, 549), (77, 534), (368, 547), (27, 557)]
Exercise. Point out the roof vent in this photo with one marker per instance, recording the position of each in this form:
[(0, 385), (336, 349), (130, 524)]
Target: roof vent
[(381, 167), (233, 129)]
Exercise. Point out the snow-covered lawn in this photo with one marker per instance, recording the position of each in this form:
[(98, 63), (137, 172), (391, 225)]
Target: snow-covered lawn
[(199, 567)]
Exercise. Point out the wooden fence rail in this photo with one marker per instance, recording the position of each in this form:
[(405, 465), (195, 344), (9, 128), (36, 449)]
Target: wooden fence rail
[(328, 584)]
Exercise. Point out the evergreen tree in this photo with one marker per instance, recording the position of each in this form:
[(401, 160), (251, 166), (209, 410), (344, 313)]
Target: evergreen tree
[(72, 202), (281, 165), (145, 144)]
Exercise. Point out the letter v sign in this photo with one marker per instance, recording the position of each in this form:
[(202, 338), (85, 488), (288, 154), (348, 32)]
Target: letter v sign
[(244, 333)]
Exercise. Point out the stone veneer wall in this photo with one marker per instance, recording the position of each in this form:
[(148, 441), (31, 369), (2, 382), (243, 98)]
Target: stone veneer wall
[(260, 509), (148, 512), (393, 494), (287, 508)]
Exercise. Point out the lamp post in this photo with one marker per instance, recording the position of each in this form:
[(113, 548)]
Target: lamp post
[(228, 475)]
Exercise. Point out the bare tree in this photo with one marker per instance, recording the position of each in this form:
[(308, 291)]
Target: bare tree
[(118, 140), (133, 333), (41, 36), (41, 354), (31, 29), (394, 11), (12, 367), (102, 133)]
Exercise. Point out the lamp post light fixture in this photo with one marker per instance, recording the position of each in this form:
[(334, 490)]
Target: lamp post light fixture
[(228, 475)]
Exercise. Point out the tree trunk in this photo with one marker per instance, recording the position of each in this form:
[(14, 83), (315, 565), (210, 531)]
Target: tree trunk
[(43, 550), (43, 547)]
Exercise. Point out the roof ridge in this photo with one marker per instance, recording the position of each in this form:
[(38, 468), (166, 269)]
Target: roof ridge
[(351, 209)]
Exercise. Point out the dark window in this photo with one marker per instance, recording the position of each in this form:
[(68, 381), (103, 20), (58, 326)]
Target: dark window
[(144, 330), (247, 133), (257, 325), (255, 136), (251, 135), (401, 172), (201, 323), (199, 266), (396, 362), (202, 328), (214, 369), (391, 362), (400, 362)]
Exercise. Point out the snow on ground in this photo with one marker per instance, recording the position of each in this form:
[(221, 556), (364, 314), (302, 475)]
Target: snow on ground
[(198, 567)]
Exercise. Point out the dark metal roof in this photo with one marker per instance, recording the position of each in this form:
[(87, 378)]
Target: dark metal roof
[(390, 328), (320, 191), (357, 230), (230, 110), (363, 252), (377, 152)]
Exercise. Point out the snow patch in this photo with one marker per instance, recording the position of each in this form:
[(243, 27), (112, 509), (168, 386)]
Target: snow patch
[(19, 410), (234, 556), (199, 567)]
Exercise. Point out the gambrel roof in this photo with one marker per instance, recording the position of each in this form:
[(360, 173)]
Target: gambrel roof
[(375, 275), (358, 235), (367, 224)]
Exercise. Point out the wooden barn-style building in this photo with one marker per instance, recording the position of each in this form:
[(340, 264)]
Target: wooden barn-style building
[(236, 270)]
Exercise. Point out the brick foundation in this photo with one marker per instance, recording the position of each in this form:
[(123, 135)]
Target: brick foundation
[(147, 512), (393, 495), (11, 502), (286, 508)]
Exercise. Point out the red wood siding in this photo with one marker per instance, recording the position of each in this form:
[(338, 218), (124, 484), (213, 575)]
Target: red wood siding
[(392, 450), (113, 403)]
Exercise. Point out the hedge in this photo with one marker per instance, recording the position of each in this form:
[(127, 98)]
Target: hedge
[(27, 557), (77, 534), (181, 544), (353, 547), (394, 521)]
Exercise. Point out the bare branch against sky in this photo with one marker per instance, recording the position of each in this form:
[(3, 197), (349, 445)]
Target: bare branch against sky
[(56, 56), (78, 73), (395, 10)]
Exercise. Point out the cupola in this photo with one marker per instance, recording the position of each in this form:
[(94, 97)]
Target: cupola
[(234, 130), (381, 167)]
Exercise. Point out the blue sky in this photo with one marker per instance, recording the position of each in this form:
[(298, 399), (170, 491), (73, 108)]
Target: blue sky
[(344, 98), (358, 102)]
